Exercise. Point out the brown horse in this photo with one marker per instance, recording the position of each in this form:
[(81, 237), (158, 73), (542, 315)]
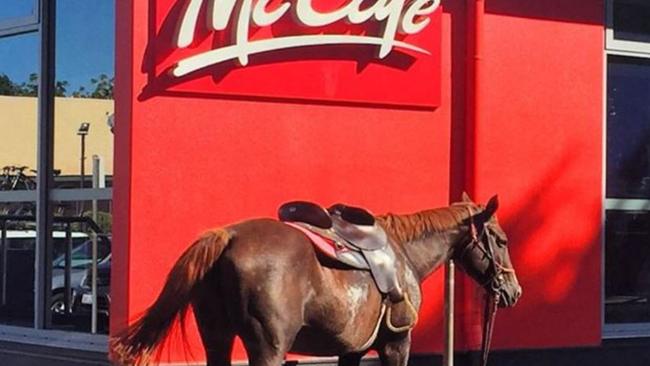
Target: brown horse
[(263, 281)]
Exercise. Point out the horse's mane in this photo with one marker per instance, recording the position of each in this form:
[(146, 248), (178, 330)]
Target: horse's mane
[(420, 225)]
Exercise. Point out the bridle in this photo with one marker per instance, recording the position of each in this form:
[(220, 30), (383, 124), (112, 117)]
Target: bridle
[(494, 284)]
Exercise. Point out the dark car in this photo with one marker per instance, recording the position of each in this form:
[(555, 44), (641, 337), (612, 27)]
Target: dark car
[(83, 299)]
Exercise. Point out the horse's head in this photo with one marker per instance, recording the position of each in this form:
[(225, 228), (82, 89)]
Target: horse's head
[(484, 253)]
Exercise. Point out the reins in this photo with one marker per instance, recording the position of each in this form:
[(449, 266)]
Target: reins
[(489, 315)]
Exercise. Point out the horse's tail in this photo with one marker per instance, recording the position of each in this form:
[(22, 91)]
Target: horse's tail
[(138, 342)]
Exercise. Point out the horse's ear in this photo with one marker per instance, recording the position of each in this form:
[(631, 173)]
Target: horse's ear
[(466, 198), (492, 206)]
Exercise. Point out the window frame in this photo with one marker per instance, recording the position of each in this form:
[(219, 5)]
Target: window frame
[(614, 44), (21, 24)]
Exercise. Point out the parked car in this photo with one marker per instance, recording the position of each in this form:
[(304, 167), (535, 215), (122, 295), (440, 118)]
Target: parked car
[(80, 260), (17, 298), (83, 299)]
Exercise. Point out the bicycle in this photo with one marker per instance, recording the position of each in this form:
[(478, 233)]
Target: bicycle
[(14, 179)]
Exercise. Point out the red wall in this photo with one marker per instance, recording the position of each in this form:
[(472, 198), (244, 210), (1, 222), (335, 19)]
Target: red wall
[(187, 164), (539, 145)]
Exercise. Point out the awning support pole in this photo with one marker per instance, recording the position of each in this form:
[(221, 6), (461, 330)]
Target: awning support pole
[(448, 354)]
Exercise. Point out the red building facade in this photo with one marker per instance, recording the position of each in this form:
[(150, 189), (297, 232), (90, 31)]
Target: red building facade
[(509, 101)]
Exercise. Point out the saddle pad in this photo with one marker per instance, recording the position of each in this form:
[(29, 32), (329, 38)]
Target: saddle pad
[(329, 247), (326, 246)]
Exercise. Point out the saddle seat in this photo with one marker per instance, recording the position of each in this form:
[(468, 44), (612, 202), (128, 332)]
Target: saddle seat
[(360, 241), (305, 212)]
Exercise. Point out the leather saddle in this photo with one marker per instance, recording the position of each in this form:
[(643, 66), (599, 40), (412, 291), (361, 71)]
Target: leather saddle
[(355, 225), (362, 241)]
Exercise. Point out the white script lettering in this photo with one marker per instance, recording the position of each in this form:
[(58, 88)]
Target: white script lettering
[(405, 16)]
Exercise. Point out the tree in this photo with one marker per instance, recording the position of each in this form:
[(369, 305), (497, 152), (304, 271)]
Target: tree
[(30, 88), (80, 93), (7, 87), (102, 87), (60, 88)]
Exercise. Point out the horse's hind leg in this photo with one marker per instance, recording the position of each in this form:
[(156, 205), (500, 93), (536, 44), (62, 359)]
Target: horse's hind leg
[(215, 330), (271, 319), (218, 348), (265, 344), (270, 326)]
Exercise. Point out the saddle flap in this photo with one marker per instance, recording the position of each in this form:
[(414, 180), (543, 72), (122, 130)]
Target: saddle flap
[(366, 237), (381, 261)]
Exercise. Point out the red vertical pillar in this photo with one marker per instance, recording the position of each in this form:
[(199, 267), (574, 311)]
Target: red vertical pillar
[(122, 166), (469, 295)]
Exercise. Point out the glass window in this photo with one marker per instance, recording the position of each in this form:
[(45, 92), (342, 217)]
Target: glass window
[(18, 136), (631, 20), (17, 243), (18, 16), (84, 103), (628, 128), (12, 9), (18, 117), (627, 267), (83, 140), (81, 251), (77, 315), (627, 225)]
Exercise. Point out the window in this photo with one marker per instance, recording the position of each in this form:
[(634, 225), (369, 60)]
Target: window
[(628, 128), (18, 122), (627, 173), (80, 198), (18, 144), (83, 148)]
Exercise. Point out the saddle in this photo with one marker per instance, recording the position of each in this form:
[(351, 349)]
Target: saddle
[(359, 241)]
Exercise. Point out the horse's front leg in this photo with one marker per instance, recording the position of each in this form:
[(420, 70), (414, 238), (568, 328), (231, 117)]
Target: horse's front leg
[(395, 352)]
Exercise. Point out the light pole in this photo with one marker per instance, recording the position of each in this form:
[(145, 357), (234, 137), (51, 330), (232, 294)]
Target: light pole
[(82, 132)]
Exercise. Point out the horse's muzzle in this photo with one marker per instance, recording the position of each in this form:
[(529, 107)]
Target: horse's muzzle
[(509, 295)]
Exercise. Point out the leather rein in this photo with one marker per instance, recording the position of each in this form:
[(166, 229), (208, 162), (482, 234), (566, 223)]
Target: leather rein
[(493, 285)]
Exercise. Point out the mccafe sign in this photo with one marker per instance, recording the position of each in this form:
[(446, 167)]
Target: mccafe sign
[(393, 16), (242, 43)]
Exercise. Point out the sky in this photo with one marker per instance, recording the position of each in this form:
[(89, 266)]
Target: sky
[(84, 42)]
